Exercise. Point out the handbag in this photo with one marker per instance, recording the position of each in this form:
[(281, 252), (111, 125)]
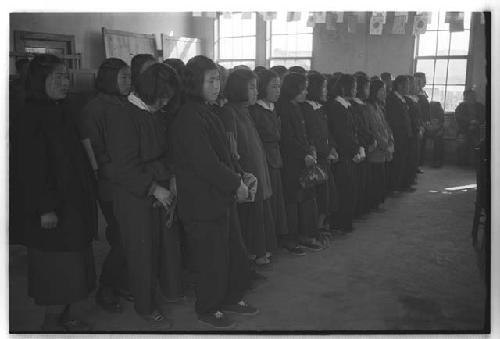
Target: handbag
[(312, 176)]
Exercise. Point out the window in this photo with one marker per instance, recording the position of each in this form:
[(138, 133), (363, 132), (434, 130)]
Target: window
[(289, 43), (235, 40), (442, 55)]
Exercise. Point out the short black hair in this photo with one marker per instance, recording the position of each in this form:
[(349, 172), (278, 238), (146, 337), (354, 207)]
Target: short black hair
[(315, 85), (106, 80), (332, 84), (39, 69), (385, 76), (343, 86), (195, 76), (176, 64), (281, 70), (264, 78), (237, 85), (20, 63), (400, 79), (258, 69), (298, 69), (293, 85), (419, 74), (156, 82), (361, 82), (375, 86), (136, 65), (360, 73)]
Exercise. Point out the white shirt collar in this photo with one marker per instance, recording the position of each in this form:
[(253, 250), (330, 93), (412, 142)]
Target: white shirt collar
[(422, 92), (136, 101), (358, 100), (413, 98), (269, 106), (399, 96), (314, 104), (343, 102)]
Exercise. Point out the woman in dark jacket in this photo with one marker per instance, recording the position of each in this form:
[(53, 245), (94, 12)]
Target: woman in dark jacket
[(257, 224), (208, 186), (113, 85), (398, 117), (365, 138), (298, 154), (268, 125), (142, 183), (342, 126), (319, 136), (55, 197)]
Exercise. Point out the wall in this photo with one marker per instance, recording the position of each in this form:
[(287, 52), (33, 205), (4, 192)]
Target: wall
[(340, 51), (86, 27), (203, 28)]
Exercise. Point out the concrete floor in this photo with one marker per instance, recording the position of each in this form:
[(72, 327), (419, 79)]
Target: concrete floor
[(409, 268)]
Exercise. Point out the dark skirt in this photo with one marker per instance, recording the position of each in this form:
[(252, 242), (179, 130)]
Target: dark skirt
[(361, 172), (257, 227), (347, 190), (302, 215), (277, 201), (376, 183), (60, 278)]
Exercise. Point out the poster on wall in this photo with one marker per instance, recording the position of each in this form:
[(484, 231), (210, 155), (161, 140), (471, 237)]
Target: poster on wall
[(420, 24), (399, 25), (320, 17), (331, 21), (352, 23), (376, 25)]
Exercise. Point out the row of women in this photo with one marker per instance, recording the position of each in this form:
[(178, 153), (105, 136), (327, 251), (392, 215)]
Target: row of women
[(196, 170)]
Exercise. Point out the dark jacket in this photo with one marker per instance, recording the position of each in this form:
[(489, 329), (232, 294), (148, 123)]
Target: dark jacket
[(398, 117), (94, 123), (317, 130), (294, 146), (268, 125), (415, 115), (425, 108), (365, 137), (342, 127), (52, 175), (465, 113), (206, 180)]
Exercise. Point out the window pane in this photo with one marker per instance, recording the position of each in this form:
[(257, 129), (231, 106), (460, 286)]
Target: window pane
[(438, 94), (456, 71), (231, 64), (237, 48), (236, 26), (433, 25), (306, 63), (427, 43), (291, 45), (440, 73), (467, 16), (443, 42), (442, 25), (459, 43), (427, 67), (281, 26), (453, 97)]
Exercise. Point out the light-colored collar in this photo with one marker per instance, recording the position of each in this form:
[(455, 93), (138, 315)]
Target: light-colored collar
[(314, 104), (413, 98), (343, 102), (269, 106), (136, 101), (422, 92), (358, 100), (399, 96)]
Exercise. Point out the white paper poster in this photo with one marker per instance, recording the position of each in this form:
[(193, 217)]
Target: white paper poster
[(376, 25)]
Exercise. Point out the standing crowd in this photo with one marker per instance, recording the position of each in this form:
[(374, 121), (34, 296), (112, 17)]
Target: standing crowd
[(201, 175)]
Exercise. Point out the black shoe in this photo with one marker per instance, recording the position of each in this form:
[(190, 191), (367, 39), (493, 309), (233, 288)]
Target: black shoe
[(107, 300), (296, 251), (240, 308), (419, 171), (216, 319), (310, 245)]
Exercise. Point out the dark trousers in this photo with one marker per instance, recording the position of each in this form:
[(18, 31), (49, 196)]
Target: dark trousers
[(413, 154), (347, 191), (361, 175), (302, 215), (150, 257), (399, 164), (220, 262), (114, 268), (376, 184)]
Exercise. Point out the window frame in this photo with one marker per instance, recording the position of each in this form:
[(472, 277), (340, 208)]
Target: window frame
[(467, 57)]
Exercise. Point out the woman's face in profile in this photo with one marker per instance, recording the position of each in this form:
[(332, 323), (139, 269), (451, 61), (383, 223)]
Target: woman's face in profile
[(57, 83)]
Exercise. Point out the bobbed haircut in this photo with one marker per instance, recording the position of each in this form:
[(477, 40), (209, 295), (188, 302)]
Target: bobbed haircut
[(177, 64), (107, 76), (375, 86), (343, 86), (399, 81), (293, 85), (281, 70), (237, 85), (419, 75), (264, 78), (315, 85), (136, 65), (386, 76), (195, 76), (20, 63), (39, 69), (435, 107), (158, 81), (259, 69), (361, 74), (298, 69), (331, 84)]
